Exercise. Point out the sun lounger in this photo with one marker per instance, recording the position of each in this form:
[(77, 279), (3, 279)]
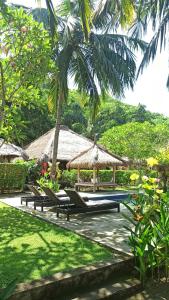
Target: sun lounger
[(41, 200), (53, 199), (80, 206), (37, 196)]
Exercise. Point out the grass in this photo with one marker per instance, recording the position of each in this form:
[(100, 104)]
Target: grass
[(31, 248)]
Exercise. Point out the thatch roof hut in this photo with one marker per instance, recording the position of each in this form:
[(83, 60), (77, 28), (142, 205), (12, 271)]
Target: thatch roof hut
[(95, 157), (70, 145), (10, 151)]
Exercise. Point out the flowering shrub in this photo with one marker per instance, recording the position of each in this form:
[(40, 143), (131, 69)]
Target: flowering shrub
[(149, 233), (46, 182)]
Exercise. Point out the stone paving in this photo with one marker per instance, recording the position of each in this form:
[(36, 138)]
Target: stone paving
[(104, 227)]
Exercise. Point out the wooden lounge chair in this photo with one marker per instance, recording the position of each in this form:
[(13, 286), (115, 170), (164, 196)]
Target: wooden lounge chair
[(53, 199), (80, 206), (37, 196)]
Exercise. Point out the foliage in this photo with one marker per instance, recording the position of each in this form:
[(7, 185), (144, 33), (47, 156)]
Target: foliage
[(163, 166), (33, 169), (24, 62), (163, 156), (69, 178), (74, 118), (114, 113), (136, 140), (98, 61), (149, 234), (12, 177), (123, 176), (155, 13), (35, 112), (46, 182), (44, 247), (7, 292)]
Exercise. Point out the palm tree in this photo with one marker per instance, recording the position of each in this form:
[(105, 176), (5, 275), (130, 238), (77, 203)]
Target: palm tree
[(155, 13), (86, 48)]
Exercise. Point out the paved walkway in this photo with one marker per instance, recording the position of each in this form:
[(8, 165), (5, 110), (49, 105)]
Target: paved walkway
[(105, 227)]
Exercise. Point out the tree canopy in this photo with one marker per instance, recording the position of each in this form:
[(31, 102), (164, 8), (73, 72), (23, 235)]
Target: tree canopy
[(136, 140), (25, 60)]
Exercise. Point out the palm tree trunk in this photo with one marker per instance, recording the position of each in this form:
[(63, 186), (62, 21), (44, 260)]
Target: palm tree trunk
[(3, 96), (56, 139)]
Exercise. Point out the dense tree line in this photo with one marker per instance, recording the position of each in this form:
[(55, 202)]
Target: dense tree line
[(89, 49)]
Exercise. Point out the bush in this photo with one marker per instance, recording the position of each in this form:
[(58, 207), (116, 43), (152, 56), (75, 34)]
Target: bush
[(69, 178), (148, 237), (123, 176), (46, 182), (12, 177), (33, 168)]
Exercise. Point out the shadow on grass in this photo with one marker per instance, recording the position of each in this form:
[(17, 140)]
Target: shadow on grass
[(31, 248)]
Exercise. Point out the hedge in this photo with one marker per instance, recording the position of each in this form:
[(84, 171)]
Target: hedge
[(69, 178), (12, 177)]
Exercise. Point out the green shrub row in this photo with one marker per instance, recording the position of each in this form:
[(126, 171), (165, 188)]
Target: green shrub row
[(69, 178), (12, 177)]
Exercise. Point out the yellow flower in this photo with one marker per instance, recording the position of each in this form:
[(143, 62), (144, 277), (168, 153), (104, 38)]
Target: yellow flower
[(134, 176), (152, 161), (152, 180), (159, 191), (147, 186)]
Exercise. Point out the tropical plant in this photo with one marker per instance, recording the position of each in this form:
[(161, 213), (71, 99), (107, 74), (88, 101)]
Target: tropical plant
[(44, 181), (24, 63), (155, 13), (149, 228), (146, 13), (86, 48), (163, 166)]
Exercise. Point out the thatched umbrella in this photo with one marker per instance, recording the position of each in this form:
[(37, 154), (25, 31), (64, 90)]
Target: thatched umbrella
[(96, 158), (10, 151)]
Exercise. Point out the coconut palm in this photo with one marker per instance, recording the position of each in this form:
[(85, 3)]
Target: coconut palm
[(86, 48), (155, 13)]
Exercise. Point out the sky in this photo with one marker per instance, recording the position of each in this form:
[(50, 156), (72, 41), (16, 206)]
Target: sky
[(150, 88)]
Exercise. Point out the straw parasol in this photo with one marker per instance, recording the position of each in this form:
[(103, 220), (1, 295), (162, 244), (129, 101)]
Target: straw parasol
[(96, 157), (9, 151)]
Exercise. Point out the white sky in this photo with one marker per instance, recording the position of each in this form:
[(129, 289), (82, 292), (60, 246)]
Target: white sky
[(150, 88)]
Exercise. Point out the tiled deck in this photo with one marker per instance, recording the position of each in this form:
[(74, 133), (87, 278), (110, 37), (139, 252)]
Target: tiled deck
[(105, 227)]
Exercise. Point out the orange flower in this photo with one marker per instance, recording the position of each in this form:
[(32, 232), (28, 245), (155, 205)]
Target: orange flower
[(134, 196), (138, 217)]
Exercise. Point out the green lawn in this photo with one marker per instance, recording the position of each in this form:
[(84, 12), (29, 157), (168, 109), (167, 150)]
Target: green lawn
[(31, 248)]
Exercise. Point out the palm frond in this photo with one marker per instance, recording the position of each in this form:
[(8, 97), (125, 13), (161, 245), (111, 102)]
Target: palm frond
[(85, 10), (110, 13), (159, 37), (113, 62), (52, 18), (84, 79)]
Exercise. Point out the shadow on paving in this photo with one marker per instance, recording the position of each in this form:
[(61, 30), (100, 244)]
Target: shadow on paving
[(105, 227), (153, 291)]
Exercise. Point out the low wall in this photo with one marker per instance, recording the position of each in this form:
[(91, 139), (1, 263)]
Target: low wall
[(62, 284)]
